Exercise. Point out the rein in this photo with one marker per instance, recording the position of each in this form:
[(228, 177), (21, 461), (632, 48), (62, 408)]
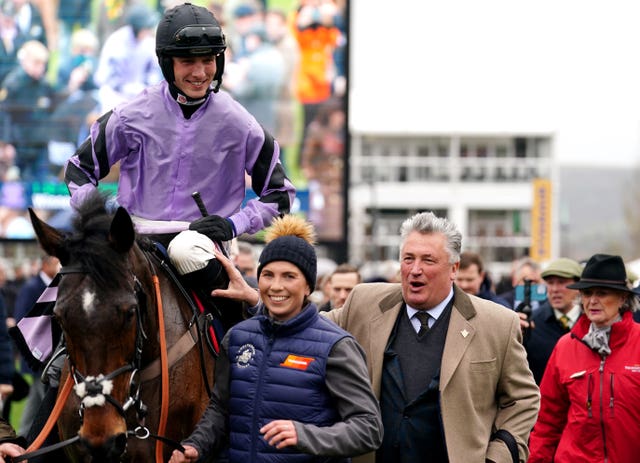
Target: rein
[(164, 404), (95, 391)]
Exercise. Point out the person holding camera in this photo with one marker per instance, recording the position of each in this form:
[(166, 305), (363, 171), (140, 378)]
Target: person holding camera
[(526, 269)]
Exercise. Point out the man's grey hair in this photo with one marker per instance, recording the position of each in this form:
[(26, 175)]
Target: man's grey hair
[(428, 223)]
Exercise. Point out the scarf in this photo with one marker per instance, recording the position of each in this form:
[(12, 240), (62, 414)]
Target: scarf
[(598, 338)]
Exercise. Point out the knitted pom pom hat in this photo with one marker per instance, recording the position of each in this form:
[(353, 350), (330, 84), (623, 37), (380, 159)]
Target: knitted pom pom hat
[(291, 238)]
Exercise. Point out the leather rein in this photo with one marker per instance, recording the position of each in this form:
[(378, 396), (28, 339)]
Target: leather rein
[(95, 391)]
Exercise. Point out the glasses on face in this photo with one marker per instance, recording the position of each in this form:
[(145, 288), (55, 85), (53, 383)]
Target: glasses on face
[(199, 35)]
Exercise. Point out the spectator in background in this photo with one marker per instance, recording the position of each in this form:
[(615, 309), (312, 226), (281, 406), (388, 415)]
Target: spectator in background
[(341, 282), (472, 278), (27, 101), (245, 18), (258, 77), (322, 161), (71, 15), (84, 49), (339, 85), (111, 15), (28, 20), (590, 389), (217, 8), (72, 117), (245, 261), (320, 297), (27, 297), (8, 170), (4, 278), (556, 316), (16, 277), (280, 36), (13, 203), (11, 39), (8, 292), (525, 269), (7, 368), (128, 61), (317, 35)]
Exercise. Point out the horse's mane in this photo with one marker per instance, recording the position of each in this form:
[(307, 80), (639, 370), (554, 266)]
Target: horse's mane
[(88, 243)]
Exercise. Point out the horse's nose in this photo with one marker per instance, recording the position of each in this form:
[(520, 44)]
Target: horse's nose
[(109, 452)]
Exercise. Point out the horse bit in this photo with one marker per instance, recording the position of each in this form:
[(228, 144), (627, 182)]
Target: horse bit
[(96, 390)]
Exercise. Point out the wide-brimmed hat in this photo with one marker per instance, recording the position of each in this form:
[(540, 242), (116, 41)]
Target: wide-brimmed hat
[(603, 271)]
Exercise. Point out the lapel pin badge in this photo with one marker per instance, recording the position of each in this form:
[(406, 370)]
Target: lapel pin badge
[(464, 333)]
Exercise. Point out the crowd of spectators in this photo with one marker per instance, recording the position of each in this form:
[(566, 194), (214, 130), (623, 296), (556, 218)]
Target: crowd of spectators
[(62, 64)]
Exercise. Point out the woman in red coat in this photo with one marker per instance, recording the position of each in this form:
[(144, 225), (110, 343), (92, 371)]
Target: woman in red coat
[(590, 390)]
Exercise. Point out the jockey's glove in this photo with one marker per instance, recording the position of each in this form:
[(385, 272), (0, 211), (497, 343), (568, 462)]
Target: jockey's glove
[(215, 227)]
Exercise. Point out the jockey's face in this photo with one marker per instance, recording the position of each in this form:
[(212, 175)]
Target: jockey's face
[(194, 74)]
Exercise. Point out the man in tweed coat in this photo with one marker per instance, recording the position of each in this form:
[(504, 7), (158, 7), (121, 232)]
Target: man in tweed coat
[(447, 381)]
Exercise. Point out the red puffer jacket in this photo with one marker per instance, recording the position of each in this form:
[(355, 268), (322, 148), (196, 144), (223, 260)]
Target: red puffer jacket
[(590, 409)]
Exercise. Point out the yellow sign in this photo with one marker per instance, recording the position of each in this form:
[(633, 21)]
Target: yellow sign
[(540, 250)]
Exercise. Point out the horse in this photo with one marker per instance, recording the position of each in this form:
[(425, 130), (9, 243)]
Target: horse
[(129, 384)]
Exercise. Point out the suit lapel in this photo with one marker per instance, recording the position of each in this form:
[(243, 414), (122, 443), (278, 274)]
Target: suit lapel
[(381, 326), (459, 336)]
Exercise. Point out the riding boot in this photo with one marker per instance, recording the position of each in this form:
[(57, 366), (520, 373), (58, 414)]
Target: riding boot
[(203, 282)]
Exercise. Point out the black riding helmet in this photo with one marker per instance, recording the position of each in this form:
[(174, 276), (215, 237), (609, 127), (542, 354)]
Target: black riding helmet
[(189, 30)]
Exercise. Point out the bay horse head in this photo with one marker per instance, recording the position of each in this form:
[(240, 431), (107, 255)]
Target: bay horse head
[(106, 301)]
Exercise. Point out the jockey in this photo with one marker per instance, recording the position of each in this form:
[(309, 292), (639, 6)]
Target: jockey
[(185, 135)]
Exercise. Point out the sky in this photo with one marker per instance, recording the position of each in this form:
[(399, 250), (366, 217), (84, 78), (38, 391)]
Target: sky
[(568, 69)]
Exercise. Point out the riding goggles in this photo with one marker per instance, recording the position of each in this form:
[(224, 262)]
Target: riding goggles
[(197, 35)]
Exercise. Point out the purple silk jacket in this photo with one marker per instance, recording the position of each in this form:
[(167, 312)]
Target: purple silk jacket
[(165, 157)]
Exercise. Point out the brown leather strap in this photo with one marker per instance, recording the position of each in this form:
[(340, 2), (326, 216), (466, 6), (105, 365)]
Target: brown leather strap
[(176, 352), (55, 413), (164, 405)]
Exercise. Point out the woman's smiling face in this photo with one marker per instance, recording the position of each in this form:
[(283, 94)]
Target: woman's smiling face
[(283, 289)]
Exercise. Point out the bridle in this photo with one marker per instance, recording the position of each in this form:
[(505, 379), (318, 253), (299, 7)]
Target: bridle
[(96, 390)]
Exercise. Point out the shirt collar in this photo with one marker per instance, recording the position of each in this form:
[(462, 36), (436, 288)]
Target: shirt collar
[(572, 314), (436, 311)]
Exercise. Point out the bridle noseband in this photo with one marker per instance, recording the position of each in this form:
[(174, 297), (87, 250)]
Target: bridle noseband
[(96, 390)]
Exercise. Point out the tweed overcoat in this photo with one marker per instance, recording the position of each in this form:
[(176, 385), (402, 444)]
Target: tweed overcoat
[(485, 381)]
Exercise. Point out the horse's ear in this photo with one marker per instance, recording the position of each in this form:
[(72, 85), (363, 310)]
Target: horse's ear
[(121, 233), (50, 239)]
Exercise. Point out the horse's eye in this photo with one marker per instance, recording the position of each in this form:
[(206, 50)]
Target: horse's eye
[(131, 312)]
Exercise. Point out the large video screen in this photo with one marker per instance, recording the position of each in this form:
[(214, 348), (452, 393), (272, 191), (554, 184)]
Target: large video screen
[(60, 69)]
